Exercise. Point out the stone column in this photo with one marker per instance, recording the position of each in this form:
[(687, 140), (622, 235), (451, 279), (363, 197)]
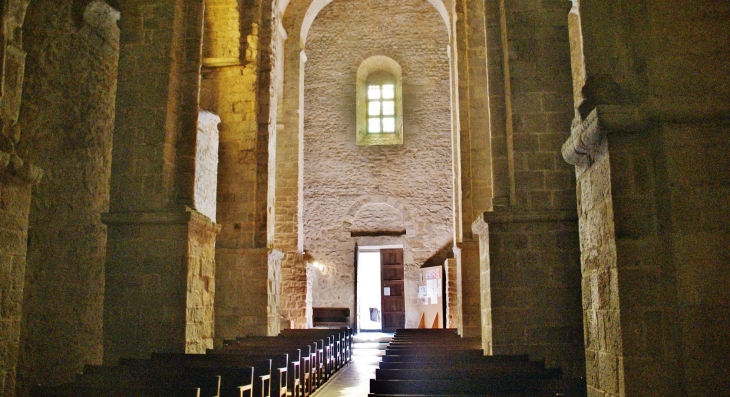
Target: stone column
[(160, 265)]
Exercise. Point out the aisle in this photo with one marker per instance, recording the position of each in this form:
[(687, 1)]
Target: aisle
[(354, 380)]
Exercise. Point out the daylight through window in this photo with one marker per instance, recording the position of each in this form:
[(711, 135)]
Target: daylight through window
[(381, 108)]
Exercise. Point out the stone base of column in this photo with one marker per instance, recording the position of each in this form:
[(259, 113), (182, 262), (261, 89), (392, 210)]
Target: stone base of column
[(531, 286), (468, 288), (247, 292), (160, 283)]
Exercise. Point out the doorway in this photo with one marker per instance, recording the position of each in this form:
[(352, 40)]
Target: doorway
[(369, 307), (380, 300)]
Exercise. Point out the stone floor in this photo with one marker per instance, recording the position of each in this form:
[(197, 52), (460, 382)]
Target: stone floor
[(354, 380)]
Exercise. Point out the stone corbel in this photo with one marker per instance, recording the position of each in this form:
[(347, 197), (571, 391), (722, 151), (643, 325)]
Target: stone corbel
[(11, 164), (587, 133), (480, 227)]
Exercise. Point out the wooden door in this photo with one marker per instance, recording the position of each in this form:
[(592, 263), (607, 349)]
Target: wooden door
[(393, 299)]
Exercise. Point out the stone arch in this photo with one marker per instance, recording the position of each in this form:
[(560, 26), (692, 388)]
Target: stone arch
[(317, 5), (398, 207)]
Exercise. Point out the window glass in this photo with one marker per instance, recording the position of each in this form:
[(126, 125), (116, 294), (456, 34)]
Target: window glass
[(388, 91), (388, 124), (374, 92), (381, 108), (374, 125), (374, 108)]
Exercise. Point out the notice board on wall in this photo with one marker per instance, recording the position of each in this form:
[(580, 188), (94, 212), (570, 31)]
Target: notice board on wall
[(431, 297)]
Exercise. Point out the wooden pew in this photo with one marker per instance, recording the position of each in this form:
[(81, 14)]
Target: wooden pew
[(439, 363)]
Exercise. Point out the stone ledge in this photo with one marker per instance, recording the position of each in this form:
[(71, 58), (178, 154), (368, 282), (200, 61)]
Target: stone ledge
[(480, 225), (159, 218), (586, 134)]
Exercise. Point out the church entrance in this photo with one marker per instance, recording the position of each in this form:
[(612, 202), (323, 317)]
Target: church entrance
[(380, 300)]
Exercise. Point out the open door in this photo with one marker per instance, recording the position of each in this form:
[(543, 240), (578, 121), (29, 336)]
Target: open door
[(393, 299)]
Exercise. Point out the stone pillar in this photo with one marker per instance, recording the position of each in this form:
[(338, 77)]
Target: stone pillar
[(649, 240), (453, 314), (247, 301), (294, 290), (530, 277), (160, 266), (474, 113), (15, 189), (468, 288), (16, 179), (652, 195), (159, 283)]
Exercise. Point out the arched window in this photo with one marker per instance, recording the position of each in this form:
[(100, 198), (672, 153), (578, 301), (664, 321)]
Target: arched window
[(379, 102)]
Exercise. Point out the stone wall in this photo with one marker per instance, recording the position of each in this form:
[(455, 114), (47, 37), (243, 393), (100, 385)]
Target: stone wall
[(415, 176), (697, 201)]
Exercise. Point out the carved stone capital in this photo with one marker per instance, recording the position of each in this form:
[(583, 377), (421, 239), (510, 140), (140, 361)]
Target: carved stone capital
[(587, 133)]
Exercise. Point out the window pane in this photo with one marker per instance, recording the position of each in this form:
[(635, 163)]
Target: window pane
[(388, 108), (374, 125), (374, 108), (388, 91), (374, 92), (388, 124)]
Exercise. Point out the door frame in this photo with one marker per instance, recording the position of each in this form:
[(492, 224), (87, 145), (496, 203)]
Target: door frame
[(367, 248)]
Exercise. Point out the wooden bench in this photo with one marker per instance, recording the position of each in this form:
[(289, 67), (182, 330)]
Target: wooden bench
[(440, 363), (256, 366), (330, 317)]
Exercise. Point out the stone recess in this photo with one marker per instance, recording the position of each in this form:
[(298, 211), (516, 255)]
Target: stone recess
[(417, 175)]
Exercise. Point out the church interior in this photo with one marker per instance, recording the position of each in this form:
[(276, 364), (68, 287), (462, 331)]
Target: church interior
[(176, 173)]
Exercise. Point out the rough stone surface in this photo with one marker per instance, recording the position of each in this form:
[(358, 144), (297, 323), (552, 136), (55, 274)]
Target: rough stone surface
[(416, 175)]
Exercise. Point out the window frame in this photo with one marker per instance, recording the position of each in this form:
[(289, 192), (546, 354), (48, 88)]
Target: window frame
[(376, 69)]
